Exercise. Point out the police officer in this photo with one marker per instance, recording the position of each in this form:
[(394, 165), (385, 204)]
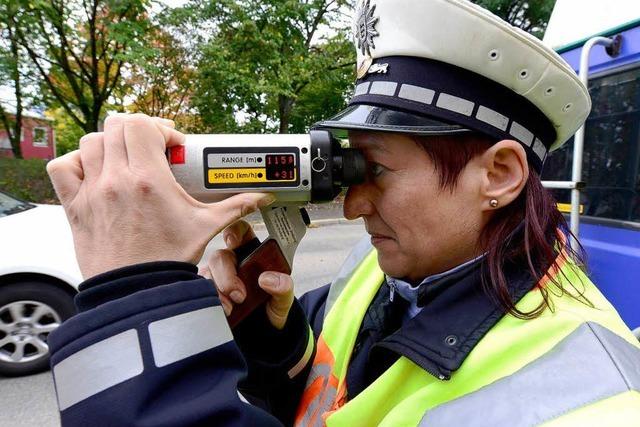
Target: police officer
[(465, 307)]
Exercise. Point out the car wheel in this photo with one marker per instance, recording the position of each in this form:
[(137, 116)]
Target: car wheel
[(29, 311)]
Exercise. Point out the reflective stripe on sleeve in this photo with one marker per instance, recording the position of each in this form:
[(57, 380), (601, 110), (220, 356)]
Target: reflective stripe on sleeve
[(97, 367), (298, 367), (243, 399), (178, 337), (589, 365)]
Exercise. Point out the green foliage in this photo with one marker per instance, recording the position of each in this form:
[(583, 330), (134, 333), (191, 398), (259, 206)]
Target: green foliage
[(329, 92), (160, 81), (264, 58), (67, 132), (27, 180), (530, 15), (11, 69), (80, 49)]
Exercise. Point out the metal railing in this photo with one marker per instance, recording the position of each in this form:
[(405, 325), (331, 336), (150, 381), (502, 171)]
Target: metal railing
[(612, 45)]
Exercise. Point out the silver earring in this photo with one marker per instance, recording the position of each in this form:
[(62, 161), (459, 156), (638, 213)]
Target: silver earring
[(493, 203)]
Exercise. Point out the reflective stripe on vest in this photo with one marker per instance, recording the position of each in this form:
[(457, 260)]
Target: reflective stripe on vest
[(355, 257), (321, 390), (407, 395), (589, 365)]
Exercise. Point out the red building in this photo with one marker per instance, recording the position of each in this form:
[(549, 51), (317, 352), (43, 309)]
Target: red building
[(37, 139)]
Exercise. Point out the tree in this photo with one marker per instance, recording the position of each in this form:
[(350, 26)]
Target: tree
[(264, 57), (67, 131), (80, 49), (531, 16), (161, 81), (326, 94), (10, 63)]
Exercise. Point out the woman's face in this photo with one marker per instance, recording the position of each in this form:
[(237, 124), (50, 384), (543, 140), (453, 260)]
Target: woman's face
[(418, 228)]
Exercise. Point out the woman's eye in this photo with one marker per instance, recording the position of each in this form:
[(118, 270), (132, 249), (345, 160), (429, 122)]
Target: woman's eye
[(376, 169)]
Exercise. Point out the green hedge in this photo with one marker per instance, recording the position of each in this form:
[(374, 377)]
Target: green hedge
[(26, 180)]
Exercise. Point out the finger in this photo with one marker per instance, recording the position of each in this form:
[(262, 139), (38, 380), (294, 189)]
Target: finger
[(66, 175), (226, 212), (280, 287), (222, 265), (115, 151), (92, 154), (227, 304), (237, 234), (203, 270), (165, 122), (171, 136), (146, 141)]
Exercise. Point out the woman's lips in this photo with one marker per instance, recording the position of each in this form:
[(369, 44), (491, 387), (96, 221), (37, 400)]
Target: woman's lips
[(379, 239)]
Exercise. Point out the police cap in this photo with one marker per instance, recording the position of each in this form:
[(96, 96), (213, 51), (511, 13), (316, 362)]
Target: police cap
[(447, 67)]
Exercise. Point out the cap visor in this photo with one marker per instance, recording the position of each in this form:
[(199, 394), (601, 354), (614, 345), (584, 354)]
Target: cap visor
[(384, 119)]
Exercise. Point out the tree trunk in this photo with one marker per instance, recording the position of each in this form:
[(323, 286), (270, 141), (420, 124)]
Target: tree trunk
[(15, 134), (96, 125), (16, 137), (91, 125), (13, 129), (285, 105)]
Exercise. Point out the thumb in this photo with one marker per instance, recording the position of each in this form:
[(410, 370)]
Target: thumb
[(228, 211), (280, 287), (66, 175)]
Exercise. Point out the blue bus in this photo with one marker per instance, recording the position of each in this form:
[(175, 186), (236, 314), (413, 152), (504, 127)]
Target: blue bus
[(609, 221)]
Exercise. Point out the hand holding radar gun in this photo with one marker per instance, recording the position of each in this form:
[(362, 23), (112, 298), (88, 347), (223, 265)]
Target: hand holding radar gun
[(297, 169)]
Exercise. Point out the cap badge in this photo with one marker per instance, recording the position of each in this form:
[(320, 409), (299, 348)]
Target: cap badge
[(363, 66), (365, 29), (378, 68)]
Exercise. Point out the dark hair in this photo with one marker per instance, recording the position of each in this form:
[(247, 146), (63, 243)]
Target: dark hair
[(536, 244)]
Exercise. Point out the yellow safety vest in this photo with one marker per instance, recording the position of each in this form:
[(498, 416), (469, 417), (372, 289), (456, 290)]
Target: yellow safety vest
[(572, 366)]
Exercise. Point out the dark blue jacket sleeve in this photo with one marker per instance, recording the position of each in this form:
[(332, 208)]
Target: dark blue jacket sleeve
[(279, 361), (150, 347)]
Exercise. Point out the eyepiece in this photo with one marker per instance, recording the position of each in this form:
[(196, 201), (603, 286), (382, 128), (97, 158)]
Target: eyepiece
[(349, 167), (333, 167)]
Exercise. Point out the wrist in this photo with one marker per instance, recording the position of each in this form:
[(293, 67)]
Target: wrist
[(123, 281), (263, 343), (103, 263)]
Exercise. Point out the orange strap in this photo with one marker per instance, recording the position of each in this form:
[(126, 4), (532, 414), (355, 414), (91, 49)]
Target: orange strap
[(321, 396)]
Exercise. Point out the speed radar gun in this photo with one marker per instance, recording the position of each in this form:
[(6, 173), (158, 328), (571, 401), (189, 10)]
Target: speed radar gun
[(297, 169)]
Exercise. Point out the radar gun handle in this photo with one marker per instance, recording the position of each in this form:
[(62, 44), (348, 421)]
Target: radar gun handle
[(266, 257)]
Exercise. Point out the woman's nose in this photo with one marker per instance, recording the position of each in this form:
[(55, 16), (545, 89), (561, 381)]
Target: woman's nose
[(357, 202)]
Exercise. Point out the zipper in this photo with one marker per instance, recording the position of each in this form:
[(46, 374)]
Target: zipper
[(429, 367), (392, 290), (440, 376)]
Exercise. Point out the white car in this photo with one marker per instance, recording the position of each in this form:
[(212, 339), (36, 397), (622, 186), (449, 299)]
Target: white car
[(39, 276)]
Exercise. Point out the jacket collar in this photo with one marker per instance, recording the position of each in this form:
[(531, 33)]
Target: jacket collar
[(456, 315)]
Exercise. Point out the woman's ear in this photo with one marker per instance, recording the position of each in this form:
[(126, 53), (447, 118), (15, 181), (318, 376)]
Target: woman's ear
[(505, 171)]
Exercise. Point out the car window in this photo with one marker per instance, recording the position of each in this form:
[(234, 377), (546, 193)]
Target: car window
[(9, 205)]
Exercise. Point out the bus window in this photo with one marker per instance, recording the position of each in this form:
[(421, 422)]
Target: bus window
[(611, 164)]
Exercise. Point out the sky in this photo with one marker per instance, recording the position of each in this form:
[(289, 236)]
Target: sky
[(173, 3), (574, 20)]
